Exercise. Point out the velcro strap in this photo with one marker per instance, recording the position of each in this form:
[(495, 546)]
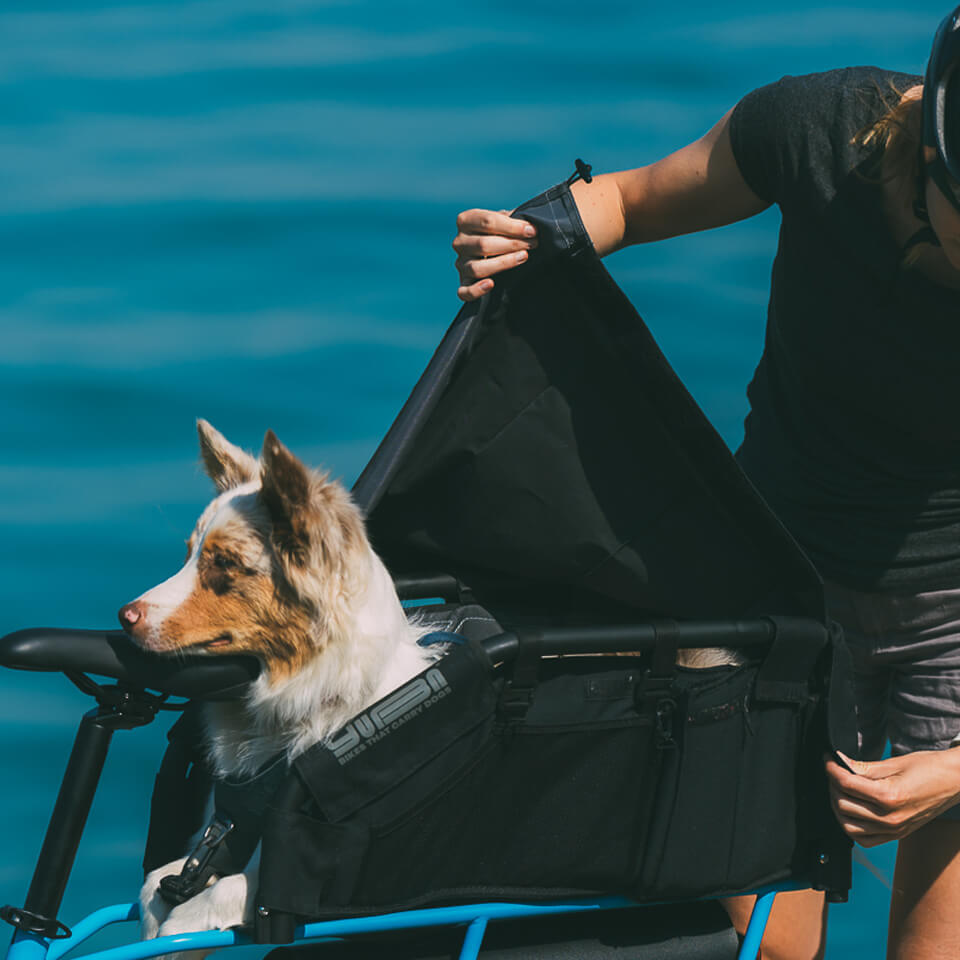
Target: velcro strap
[(785, 673)]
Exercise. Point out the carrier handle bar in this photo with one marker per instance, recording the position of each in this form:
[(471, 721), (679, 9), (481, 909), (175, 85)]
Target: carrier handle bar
[(630, 638)]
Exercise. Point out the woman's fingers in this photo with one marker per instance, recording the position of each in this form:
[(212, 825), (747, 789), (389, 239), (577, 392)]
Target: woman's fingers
[(474, 291), (881, 791), (475, 274), (494, 223), (865, 826), (469, 245), (858, 810), (471, 269), (487, 243), (871, 833)]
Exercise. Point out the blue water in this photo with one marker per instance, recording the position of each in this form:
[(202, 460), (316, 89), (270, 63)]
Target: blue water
[(243, 211)]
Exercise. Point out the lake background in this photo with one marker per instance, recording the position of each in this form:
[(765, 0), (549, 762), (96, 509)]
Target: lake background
[(243, 211)]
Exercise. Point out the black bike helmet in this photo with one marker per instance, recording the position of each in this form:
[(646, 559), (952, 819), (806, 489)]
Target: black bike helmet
[(941, 108)]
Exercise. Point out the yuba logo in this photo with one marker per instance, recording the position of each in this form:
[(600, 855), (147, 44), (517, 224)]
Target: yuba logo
[(389, 714)]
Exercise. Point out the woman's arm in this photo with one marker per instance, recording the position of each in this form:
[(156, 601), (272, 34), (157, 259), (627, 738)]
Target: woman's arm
[(694, 189)]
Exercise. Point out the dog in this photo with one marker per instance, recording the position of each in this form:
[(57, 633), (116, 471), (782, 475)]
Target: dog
[(278, 567)]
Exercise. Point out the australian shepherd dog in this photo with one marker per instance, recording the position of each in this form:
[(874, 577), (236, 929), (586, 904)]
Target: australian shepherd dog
[(278, 567)]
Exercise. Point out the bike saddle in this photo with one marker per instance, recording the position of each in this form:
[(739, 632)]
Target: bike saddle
[(111, 653)]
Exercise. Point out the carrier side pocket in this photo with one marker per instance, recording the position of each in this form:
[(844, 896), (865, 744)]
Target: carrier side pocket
[(695, 812), (764, 835), (306, 864)]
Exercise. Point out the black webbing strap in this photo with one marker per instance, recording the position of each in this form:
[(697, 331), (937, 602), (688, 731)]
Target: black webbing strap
[(663, 664), (180, 791), (788, 666), (517, 693)]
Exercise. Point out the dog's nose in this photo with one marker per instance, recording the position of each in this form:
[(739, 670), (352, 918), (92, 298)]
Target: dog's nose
[(130, 615)]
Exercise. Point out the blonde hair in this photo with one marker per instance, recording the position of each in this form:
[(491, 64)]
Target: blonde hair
[(897, 135)]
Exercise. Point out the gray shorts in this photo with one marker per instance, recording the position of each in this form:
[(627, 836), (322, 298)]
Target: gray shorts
[(906, 656)]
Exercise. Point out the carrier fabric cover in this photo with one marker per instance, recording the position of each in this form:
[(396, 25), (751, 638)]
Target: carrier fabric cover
[(549, 454), (551, 459)]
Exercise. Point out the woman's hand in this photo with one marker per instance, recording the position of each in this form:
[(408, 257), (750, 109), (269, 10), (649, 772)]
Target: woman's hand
[(889, 799), (487, 243)]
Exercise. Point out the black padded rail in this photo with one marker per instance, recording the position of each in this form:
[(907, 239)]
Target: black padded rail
[(111, 653), (565, 641)]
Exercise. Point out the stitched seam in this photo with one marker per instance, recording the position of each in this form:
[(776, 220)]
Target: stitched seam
[(474, 620)]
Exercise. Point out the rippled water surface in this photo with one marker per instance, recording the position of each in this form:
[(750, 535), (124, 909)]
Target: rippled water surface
[(243, 211)]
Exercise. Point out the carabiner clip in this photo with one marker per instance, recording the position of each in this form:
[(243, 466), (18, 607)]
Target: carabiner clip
[(197, 871)]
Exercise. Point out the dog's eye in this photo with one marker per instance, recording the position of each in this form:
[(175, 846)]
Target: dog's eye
[(223, 562)]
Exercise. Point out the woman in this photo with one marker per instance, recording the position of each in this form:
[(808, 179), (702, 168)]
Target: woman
[(854, 430)]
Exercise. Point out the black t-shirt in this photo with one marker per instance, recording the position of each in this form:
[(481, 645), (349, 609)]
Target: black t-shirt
[(854, 431)]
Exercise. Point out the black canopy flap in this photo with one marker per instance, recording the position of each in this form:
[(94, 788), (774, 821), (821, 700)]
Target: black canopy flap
[(551, 458)]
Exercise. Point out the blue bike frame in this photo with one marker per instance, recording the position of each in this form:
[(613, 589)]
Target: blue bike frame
[(473, 917)]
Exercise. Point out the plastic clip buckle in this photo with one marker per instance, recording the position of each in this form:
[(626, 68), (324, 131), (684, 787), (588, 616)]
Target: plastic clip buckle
[(196, 873), (663, 726)]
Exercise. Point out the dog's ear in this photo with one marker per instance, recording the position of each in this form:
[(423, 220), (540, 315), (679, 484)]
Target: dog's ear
[(285, 492), (226, 465)]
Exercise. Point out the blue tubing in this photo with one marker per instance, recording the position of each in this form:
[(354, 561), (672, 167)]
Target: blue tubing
[(473, 938), (447, 916), (141, 949), (88, 926), (756, 927), (27, 946), (473, 916)]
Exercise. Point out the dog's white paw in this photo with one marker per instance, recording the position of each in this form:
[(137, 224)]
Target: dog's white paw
[(227, 903), (153, 908)]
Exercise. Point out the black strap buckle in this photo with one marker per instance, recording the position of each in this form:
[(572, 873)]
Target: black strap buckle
[(663, 738), (656, 695), (197, 871)]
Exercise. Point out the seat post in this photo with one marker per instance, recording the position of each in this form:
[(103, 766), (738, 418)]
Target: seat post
[(118, 710), (69, 816)]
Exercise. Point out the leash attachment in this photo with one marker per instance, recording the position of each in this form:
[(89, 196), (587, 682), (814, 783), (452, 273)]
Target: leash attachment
[(199, 868)]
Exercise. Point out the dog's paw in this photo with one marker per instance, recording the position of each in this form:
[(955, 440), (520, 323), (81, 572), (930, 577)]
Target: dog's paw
[(227, 903), (153, 908)]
